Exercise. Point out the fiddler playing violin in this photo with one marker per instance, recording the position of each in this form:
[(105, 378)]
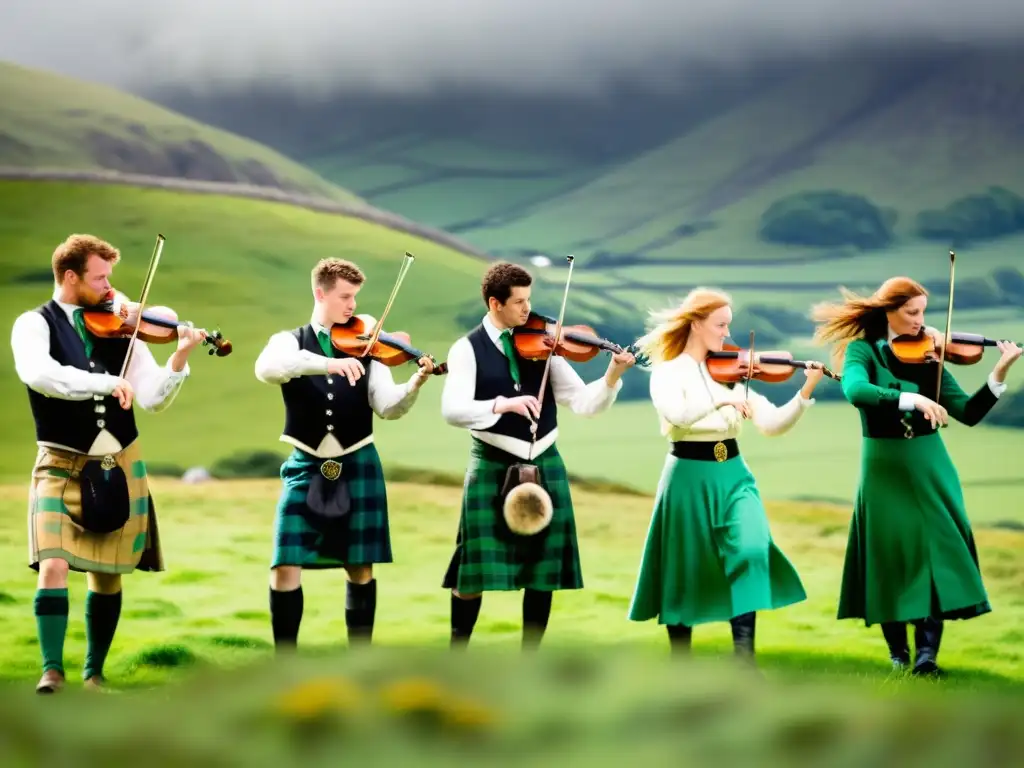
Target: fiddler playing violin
[(911, 556), (709, 555), (334, 373), (85, 366)]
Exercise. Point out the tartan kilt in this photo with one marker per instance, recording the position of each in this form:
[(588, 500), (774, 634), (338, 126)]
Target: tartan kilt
[(488, 557), (296, 542), (55, 514)]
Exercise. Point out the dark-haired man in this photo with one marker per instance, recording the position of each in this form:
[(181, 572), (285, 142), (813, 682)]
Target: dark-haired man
[(492, 391), (89, 503), (333, 509)]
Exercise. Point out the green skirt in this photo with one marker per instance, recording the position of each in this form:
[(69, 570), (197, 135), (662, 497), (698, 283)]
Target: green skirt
[(709, 554), (911, 552)]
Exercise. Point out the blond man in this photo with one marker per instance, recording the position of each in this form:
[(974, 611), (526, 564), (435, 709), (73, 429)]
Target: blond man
[(333, 508)]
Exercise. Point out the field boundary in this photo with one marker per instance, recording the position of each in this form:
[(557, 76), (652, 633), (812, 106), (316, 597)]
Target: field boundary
[(363, 211)]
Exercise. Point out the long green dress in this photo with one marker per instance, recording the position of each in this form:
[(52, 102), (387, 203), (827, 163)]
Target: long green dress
[(911, 552), (709, 555)]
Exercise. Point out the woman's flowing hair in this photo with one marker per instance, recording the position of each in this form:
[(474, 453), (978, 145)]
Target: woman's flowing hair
[(861, 316), (670, 328)]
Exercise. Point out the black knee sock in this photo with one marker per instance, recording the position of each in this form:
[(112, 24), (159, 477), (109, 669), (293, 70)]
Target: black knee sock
[(464, 615), (360, 610), (536, 611), (680, 638), (285, 616), (102, 613)]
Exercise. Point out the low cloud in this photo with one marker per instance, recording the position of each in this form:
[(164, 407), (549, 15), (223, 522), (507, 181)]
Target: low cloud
[(413, 46)]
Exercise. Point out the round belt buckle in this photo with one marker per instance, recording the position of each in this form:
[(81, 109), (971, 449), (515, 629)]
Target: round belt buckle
[(721, 452), (331, 469), (108, 462)]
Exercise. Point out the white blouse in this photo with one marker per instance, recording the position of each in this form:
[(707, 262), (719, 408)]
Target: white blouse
[(685, 395)]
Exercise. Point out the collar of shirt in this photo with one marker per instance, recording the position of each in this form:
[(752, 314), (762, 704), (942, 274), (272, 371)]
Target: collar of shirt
[(69, 309), (493, 332)]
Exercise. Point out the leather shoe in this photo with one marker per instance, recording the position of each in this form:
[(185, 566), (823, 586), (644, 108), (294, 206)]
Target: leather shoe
[(52, 681)]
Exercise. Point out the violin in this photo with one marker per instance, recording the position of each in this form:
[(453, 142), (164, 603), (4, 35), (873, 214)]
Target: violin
[(391, 349), (106, 321), (963, 348), (731, 365), (580, 343)]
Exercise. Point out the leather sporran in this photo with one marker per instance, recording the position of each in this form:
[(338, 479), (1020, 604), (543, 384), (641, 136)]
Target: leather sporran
[(328, 501), (106, 502), (526, 507)]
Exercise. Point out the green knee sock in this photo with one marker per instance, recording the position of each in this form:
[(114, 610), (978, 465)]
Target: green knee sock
[(51, 608), (101, 615)]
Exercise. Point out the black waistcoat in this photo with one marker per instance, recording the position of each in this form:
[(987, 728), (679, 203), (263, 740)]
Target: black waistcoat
[(493, 379), (77, 423), (314, 407)]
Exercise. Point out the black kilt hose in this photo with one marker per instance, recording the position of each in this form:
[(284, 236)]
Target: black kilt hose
[(488, 556), (366, 538)]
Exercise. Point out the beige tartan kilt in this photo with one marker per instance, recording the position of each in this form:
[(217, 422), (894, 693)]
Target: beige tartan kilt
[(54, 515)]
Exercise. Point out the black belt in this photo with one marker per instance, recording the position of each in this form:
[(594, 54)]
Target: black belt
[(703, 450)]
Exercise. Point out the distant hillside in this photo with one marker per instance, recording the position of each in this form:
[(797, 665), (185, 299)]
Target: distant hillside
[(890, 150), (50, 121)]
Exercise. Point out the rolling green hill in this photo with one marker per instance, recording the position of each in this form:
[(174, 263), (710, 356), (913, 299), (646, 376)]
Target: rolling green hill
[(738, 198), (50, 121)]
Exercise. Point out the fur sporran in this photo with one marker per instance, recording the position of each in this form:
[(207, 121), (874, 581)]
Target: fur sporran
[(526, 507)]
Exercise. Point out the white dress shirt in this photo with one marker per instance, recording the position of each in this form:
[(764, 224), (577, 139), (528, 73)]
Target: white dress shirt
[(282, 360), (460, 408), (686, 397), (908, 399), (155, 386)]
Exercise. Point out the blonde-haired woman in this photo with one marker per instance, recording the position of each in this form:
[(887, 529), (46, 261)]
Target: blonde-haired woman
[(911, 556), (709, 554)]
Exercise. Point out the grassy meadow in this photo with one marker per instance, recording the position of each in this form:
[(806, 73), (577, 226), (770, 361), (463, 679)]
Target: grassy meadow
[(210, 606)]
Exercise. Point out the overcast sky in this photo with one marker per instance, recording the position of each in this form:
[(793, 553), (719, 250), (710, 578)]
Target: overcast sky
[(409, 45)]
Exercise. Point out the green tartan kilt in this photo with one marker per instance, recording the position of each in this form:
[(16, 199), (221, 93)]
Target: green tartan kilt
[(489, 557), (368, 541)]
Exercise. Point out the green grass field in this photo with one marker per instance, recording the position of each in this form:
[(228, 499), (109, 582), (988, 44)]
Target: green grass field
[(210, 606)]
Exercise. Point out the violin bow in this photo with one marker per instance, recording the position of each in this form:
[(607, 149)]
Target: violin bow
[(750, 368), (379, 325), (153, 261), (949, 320), (547, 363)]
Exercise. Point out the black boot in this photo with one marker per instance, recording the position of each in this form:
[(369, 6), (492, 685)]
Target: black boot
[(360, 611), (536, 612), (743, 634), (927, 637), (895, 634), (464, 613), (680, 639)]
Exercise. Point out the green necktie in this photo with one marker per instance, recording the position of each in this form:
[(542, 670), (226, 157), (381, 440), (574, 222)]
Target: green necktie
[(325, 343), (510, 353), (80, 327)]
